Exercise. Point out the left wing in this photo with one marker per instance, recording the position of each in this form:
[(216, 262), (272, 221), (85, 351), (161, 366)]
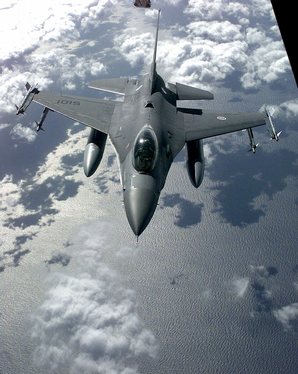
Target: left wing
[(201, 123), (90, 112)]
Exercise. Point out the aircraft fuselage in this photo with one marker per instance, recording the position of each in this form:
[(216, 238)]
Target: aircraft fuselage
[(141, 183)]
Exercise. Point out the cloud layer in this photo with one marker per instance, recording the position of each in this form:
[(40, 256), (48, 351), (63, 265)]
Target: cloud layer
[(287, 315), (44, 45), (89, 321)]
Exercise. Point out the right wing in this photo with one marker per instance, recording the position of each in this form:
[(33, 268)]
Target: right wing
[(201, 123), (90, 112)]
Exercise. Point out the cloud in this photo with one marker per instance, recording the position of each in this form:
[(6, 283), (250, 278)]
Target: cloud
[(238, 286), (223, 39), (40, 22), (28, 204), (43, 45), (290, 107), (4, 125), (266, 63), (262, 271), (65, 66), (89, 321), (25, 133), (287, 315), (135, 47), (215, 30), (216, 9), (286, 110), (10, 193)]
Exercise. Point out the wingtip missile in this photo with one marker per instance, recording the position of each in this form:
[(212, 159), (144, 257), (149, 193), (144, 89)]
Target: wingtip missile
[(270, 126), (31, 92)]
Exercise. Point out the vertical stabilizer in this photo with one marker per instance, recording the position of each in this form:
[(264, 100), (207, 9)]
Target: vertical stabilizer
[(153, 65)]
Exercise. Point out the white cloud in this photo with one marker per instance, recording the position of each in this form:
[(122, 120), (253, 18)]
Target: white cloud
[(259, 56), (9, 192), (89, 322), (262, 271), (65, 66), (266, 63), (239, 285), (291, 107), (216, 9), (4, 125), (17, 198), (135, 47), (42, 45), (20, 132), (215, 30), (46, 44), (287, 314), (288, 109)]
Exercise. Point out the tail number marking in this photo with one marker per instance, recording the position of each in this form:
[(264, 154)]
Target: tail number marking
[(68, 102)]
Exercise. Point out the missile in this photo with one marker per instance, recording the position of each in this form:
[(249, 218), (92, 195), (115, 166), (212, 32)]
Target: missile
[(42, 118), (271, 127), (32, 91), (253, 145), (94, 151)]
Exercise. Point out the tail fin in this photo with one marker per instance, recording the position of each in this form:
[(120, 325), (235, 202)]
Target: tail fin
[(153, 65)]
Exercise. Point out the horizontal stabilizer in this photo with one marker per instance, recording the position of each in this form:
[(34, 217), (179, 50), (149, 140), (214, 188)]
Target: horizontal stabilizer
[(115, 85), (185, 92)]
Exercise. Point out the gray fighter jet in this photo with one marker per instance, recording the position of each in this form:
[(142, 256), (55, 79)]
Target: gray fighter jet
[(148, 129)]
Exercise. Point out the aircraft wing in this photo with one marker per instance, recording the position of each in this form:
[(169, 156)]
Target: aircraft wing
[(90, 112), (114, 85), (201, 123)]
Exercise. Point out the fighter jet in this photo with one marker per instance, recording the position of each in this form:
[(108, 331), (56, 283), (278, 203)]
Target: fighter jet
[(148, 129)]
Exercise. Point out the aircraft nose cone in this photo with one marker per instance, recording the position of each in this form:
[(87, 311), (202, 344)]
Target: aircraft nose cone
[(140, 204)]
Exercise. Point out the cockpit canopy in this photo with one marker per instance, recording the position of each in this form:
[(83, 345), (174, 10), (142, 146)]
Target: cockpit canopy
[(145, 151)]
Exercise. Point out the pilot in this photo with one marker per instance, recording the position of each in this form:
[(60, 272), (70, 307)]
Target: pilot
[(145, 152)]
